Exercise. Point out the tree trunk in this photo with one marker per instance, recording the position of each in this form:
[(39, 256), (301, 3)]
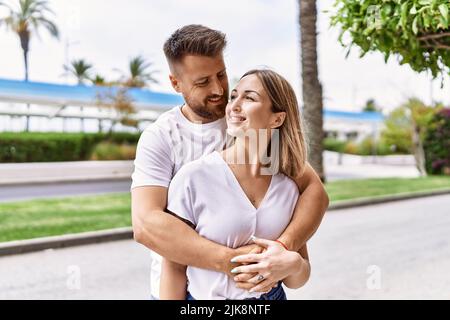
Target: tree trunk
[(24, 42), (25, 59), (419, 153), (27, 118), (312, 89)]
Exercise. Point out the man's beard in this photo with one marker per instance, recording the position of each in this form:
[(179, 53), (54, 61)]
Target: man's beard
[(210, 112)]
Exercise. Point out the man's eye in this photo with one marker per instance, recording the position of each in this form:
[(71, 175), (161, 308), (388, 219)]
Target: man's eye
[(204, 83), (232, 97)]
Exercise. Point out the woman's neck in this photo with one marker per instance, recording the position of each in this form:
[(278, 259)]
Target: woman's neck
[(246, 155)]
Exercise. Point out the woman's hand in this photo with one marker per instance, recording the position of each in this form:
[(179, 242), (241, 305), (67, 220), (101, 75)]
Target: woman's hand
[(263, 271)]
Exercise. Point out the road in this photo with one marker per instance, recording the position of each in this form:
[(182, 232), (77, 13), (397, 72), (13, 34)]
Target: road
[(54, 190), (397, 250)]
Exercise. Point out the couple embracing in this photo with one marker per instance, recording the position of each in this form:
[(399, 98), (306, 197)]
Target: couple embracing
[(222, 192)]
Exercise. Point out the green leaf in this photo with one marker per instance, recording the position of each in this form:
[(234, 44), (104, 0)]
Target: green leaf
[(443, 9), (443, 23), (414, 25), (387, 9), (404, 16), (426, 20)]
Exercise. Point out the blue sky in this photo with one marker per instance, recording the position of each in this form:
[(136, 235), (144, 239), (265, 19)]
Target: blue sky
[(260, 33)]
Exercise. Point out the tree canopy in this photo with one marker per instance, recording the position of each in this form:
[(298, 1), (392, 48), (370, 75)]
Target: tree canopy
[(416, 31)]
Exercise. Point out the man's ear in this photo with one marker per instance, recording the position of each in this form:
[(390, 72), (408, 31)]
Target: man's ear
[(278, 119), (175, 83)]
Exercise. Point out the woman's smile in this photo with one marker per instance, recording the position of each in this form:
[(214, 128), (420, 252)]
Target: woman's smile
[(236, 119)]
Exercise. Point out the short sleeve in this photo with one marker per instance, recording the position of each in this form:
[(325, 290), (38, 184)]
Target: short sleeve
[(181, 196), (153, 165)]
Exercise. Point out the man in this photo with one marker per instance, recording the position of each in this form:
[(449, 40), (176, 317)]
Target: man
[(197, 71)]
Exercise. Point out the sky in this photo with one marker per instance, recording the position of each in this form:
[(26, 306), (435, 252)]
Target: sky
[(107, 33)]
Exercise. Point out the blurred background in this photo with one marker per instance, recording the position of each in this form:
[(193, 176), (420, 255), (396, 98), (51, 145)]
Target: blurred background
[(80, 80)]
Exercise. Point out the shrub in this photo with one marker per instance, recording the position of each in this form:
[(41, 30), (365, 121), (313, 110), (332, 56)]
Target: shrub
[(112, 151), (351, 147), (332, 144), (48, 147), (437, 143)]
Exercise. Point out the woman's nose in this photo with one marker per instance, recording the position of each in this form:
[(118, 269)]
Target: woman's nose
[(235, 105)]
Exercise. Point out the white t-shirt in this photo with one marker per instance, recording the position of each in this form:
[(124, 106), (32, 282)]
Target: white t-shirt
[(207, 193), (163, 148)]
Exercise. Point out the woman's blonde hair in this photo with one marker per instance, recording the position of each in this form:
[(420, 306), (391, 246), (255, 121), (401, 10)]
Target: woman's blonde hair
[(292, 151)]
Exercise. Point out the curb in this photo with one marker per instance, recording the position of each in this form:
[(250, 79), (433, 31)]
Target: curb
[(23, 246), (66, 180), (54, 242), (345, 204)]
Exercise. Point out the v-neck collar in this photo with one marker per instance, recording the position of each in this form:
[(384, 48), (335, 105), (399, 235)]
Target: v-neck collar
[(239, 187)]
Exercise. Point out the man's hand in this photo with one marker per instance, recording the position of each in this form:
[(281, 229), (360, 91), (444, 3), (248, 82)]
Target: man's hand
[(262, 271)]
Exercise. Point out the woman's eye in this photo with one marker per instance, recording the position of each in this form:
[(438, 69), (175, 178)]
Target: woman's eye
[(232, 97), (250, 98)]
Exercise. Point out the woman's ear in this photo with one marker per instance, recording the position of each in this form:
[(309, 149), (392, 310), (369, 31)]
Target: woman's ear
[(278, 119)]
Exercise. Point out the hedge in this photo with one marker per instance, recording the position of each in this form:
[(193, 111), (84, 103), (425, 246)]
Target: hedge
[(48, 147)]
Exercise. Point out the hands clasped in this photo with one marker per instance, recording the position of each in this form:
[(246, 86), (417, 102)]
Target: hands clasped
[(265, 266)]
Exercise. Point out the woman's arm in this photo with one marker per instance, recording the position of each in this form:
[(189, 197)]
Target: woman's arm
[(302, 271), (173, 282)]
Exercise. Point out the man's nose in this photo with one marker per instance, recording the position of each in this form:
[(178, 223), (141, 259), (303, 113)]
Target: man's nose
[(217, 88)]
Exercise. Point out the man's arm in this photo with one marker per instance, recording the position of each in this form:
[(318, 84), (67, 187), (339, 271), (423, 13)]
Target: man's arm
[(172, 238), (309, 210)]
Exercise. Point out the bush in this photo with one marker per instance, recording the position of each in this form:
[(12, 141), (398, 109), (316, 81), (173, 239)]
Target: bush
[(112, 151), (332, 144), (49, 147), (366, 148), (437, 143), (351, 148)]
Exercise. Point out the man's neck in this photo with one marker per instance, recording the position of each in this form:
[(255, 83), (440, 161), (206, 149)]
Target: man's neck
[(193, 117)]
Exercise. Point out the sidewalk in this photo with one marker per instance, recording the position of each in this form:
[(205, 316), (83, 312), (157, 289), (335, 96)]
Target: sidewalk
[(346, 166), (47, 172), (336, 168)]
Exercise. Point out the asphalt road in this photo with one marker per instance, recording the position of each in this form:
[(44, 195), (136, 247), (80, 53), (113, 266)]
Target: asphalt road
[(54, 190), (397, 250)]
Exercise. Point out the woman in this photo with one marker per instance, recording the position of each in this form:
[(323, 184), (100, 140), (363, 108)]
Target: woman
[(234, 195)]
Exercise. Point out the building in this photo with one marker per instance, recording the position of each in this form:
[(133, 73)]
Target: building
[(58, 107)]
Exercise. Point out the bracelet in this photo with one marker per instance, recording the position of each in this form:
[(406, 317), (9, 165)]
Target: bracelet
[(284, 246)]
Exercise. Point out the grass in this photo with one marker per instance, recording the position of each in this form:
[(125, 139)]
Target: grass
[(352, 189), (39, 218)]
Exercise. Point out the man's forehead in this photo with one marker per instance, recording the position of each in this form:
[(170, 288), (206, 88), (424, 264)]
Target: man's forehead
[(202, 66)]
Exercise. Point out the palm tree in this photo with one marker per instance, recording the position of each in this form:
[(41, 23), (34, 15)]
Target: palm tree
[(139, 76), (79, 69), (99, 80), (26, 20), (312, 89)]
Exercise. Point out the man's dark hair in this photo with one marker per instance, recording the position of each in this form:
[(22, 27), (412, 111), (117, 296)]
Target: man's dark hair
[(194, 39)]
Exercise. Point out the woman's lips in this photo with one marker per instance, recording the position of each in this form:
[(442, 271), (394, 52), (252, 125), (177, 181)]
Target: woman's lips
[(236, 119)]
